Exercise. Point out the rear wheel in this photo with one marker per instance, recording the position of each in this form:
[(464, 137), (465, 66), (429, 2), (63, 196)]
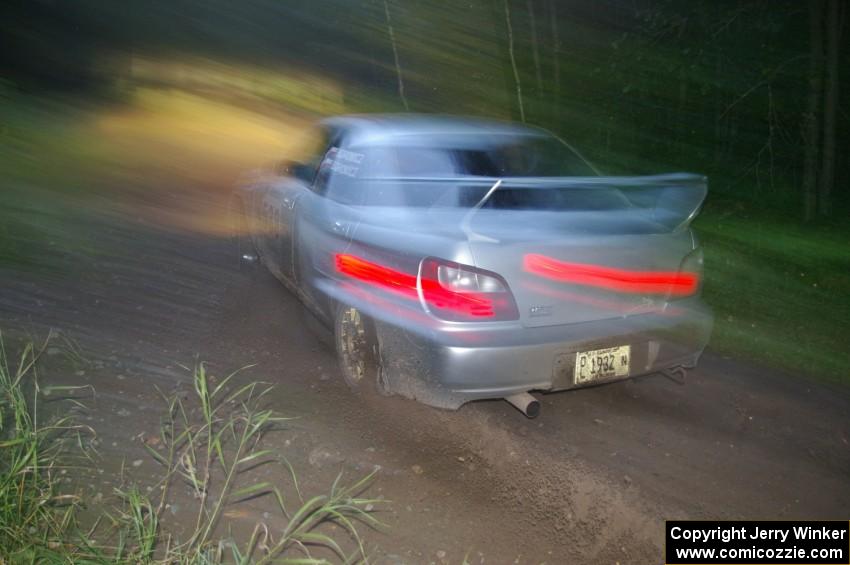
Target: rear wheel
[(358, 351)]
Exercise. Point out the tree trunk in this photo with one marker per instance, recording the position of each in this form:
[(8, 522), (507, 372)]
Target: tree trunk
[(534, 47), (811, 119), (517, 80), (830, 105), (395, 56), (556, 64), (719, 130), (504, 58), (682, 122)]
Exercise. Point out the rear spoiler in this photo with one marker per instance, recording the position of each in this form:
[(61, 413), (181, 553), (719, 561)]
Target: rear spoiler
[(670, 200)]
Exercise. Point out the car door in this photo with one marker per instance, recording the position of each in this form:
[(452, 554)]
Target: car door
[(325, 219), (277, 207)]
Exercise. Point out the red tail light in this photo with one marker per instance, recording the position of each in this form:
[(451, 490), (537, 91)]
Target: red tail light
[(460, 293), (374, 274), (609, 278), (450, 291)]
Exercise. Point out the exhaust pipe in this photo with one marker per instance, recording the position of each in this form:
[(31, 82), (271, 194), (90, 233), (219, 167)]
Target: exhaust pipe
[(525, 403)]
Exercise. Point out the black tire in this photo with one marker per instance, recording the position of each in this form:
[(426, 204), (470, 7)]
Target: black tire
[(358, 351)]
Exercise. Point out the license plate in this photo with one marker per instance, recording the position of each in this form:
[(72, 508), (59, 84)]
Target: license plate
[(602, 363)]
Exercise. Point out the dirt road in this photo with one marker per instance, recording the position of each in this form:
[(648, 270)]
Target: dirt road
[(590, 481)]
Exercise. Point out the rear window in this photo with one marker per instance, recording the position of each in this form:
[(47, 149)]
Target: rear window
[(413, 175), (451, 194), (513, 156)]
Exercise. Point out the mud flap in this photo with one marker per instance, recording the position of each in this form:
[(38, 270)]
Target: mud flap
[(406, 374)]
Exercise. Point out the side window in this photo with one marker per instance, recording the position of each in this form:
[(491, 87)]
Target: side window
[(424, 162), (324, 171), (339, 175)]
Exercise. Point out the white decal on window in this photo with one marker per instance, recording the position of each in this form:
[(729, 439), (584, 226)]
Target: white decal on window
[(347, 162)]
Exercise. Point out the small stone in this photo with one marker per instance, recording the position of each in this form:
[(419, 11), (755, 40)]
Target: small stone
[(417, 469), (123, 412), (137, 463), (441, 554), (321, 456), (627, 479)]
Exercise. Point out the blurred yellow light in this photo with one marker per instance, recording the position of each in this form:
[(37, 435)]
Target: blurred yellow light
[(199, 125)]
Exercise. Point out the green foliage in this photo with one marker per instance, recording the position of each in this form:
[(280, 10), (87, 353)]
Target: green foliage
[(38, 523), (718, 88), (36, 519), (781, 292)]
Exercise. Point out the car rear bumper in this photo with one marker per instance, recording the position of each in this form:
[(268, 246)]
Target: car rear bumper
[(448, 369)]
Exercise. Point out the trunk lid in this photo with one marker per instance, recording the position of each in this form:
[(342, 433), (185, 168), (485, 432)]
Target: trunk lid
[(611, 247)]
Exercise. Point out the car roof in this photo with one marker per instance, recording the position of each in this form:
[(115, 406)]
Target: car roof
[(370, 129)]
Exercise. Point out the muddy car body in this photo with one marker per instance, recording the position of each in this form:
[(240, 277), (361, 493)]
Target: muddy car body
[(460, 259)]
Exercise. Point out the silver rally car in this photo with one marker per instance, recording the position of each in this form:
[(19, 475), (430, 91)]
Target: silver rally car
[(459, 259)]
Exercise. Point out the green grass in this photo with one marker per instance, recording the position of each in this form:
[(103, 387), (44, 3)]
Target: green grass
[(51, 141), (36, 519), (49, 158), (211, 441), (780, 291)]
